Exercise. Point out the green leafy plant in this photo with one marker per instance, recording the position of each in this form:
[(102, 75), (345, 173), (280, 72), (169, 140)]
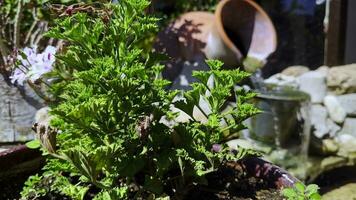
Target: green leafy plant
[(116, 132), (302, 192)]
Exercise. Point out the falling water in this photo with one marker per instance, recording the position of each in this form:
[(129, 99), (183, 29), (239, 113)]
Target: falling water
[(305, 108), (276, 125), (283, 104), (258, 81)]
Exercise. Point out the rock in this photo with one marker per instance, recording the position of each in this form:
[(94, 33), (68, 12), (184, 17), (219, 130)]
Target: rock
[(324, 70), (332, 162), (347, 144), (348, 102), (333, 128), (344, 192), (329, 146), (184, 78), (344, 138), (42, 115), (2, 150), (313, 83), (349, 127), (282, 80), (295, 71), (234, 144), (342, 79), (336, 112), (322, 126), (318, 116), (17, 110)]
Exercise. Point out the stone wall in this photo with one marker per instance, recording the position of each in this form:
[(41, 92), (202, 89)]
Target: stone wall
[(18, 107), (333, 96)]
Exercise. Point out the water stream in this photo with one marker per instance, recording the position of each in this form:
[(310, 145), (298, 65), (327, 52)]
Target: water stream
[(258, 81), (289, 116), (305, 108)]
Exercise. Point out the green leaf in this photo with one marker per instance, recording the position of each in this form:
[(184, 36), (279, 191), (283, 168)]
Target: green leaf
[(33, 144), (289, 193), (311, 189), (315, 197), (181, 165), (300, 188)]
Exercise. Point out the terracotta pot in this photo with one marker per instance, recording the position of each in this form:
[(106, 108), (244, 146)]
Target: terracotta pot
[(239, 29), (263, 175), (19, 160), (275, 176)]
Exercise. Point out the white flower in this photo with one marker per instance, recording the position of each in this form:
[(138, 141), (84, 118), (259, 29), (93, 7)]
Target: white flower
[(30, 58), (34, 65), (18, 76)]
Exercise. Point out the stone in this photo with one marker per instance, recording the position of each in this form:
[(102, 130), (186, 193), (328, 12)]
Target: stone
[(282, 80), (17, 110), (349, 127), (183, 79), (318, 116), (346, 191), (42, 115), (295, 71), (323, 127), (332, 162), (324, 70), (329, 146), (313, 83), (336, 112), (344, 138), (342, 79), (348, 102), (332, 127), (347, 144), (2, 150)]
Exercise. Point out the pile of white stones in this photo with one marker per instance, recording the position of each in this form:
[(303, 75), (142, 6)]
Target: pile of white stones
[(333, 96)]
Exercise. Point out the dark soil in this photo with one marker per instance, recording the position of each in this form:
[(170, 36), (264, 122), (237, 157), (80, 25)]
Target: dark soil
[(335, 178), (10, 188), (231, 184), (225, 184)]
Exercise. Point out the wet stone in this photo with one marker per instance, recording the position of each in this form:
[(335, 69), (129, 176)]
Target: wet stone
[(295, 70), (344, 192), (348, 102), (313, 83), (336, 112), (16, 113), (342, 79), (318, 118), (349, 127)]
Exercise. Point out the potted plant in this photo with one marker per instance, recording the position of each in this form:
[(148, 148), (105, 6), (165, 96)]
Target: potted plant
[(116, 133)]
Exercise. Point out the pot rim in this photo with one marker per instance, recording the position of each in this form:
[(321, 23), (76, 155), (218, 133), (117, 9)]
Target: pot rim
[(259, 168), (19, 159), (223, 34), (292, 96), (253, 166)]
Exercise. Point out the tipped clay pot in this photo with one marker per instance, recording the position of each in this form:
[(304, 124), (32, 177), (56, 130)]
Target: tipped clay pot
[(239, 29)]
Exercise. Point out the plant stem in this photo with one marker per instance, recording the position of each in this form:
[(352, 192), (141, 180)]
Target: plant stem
[(17, 24), (4, 51), (29, 33)]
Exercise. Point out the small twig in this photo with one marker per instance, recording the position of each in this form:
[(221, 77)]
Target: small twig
[(32, 26), (4, 52), (50, 41), (17, 24), (59, 44), (33, 36), (40, 34)]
